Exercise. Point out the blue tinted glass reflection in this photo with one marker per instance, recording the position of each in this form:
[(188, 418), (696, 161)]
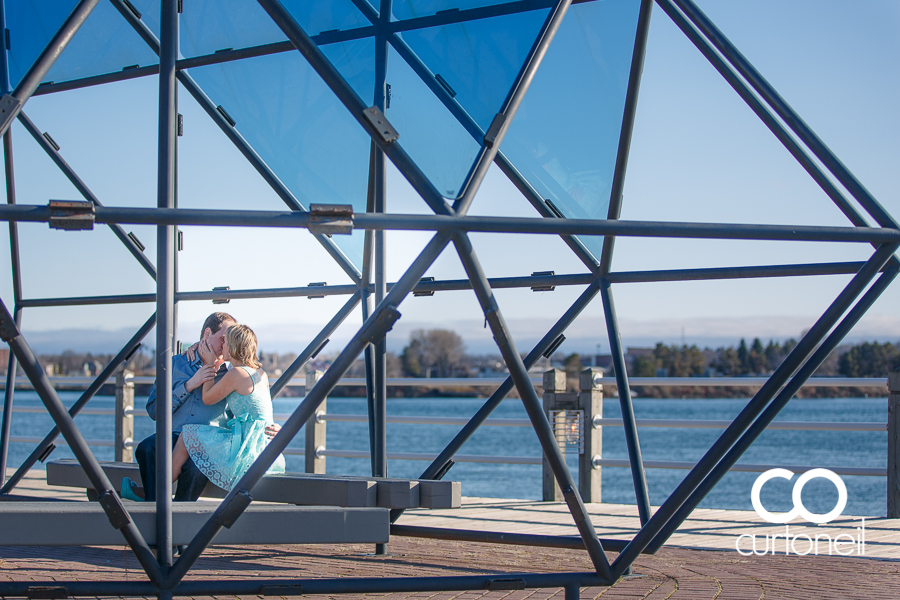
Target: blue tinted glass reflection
[(298, 127), (565, 136), (210, 25), (432, 137), (479, 60), (105, 43)]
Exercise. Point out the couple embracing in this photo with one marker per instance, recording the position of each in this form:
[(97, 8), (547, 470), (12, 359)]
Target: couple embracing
[(221, 418)]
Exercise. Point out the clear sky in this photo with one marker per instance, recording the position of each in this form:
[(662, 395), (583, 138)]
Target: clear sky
[(698, 154)]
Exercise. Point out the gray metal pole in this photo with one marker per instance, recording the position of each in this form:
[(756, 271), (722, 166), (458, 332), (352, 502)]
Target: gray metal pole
[(413, 222), (165, 281), (533, 405), (797, 357), (108, 499), (631, 98), (379, 188), (124, 354), (638, 475), (771, 411), (9, 393), (11, 104)]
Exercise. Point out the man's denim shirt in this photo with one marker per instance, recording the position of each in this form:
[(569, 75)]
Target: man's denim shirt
[(187, 407)]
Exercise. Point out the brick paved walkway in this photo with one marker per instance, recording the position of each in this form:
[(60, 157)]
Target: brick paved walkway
[(674, 573)]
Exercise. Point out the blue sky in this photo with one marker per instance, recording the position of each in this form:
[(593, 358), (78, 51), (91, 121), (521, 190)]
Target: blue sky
[(698, 154)]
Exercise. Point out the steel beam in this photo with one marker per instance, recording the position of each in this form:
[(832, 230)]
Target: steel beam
[(119, 359), (624, 149), (702, 274), (411, 222), (512, 539), (441, 462), (771, 411), (15, 266), (118, 516), (165, 282), (11, 104), (381, 320), (784, 110), (797, 357), (533, 406), (638, 475), (298, 587), (88, 195)]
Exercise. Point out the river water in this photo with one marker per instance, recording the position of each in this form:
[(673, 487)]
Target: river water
[(866, 495)]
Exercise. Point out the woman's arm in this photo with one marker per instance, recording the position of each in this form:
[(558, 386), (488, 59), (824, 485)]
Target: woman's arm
[(215, 391)]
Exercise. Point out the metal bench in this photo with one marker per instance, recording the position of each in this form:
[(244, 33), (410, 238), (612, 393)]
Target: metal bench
[(85, 524), (293, 488)]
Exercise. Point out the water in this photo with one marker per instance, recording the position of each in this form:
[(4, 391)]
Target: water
[(866, 495)]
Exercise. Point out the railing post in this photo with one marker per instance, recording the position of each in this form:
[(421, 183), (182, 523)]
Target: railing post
[(893, 459), (315, 430), (124, 416), (590, 402), (554, 392)]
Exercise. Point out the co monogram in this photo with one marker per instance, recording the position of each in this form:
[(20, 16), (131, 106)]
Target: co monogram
[(799, 509)]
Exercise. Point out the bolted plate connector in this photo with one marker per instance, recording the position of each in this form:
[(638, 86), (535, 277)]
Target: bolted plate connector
[(543, 288), (505, 584), (47, 592), (223, 288), (114, 509), (379, 324), (71, 215), (331, 218), (8, 328), (235, 508), (9, 106), (384, 128)]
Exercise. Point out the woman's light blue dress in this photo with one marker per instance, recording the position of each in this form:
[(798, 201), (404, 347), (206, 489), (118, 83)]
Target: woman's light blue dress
[(224, 454)]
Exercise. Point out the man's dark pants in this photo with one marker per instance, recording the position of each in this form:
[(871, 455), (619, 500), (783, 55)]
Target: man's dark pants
[(190, 483)]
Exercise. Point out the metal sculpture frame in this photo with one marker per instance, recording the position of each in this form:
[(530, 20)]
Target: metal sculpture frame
[(450, 225)]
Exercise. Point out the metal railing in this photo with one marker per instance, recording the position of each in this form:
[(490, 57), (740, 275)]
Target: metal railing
[(596, 421)]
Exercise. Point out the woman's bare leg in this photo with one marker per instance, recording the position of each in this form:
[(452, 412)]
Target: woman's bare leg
[(179, 457)]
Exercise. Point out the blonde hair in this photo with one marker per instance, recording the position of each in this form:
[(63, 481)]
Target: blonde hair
[(242, 345)]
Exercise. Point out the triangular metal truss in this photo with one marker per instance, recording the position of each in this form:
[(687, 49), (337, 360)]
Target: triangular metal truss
[(422, 36)]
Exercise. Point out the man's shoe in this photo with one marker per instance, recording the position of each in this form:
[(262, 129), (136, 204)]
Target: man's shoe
[(128, 490)]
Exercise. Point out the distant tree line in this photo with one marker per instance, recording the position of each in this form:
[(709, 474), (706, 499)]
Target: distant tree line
[(863, 360)]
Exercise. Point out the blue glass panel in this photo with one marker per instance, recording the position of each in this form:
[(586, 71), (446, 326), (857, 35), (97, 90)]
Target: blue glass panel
[(104, 44), (210, 25), (479, 60), (408, 9), (151, 11), (298, 127), (431, 136), (565, 135)]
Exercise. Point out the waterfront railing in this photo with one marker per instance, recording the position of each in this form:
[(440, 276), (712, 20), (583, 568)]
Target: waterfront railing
[(575, 426)]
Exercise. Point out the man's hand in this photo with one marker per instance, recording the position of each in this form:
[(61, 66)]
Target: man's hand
[(208, 355), (191, 352), (204, 374), (272, 429)]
